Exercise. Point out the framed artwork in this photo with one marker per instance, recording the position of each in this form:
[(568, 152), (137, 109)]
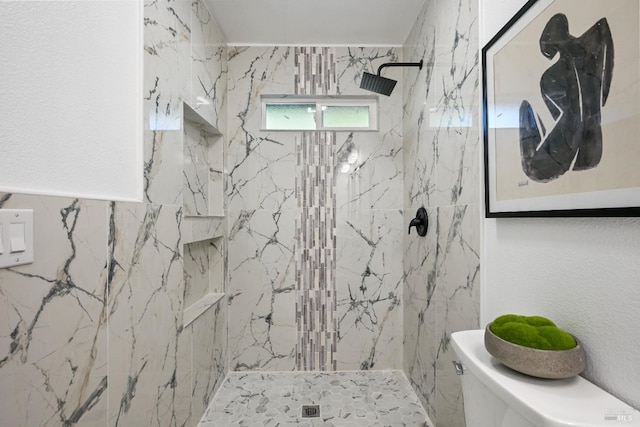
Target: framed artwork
[(561, 110)]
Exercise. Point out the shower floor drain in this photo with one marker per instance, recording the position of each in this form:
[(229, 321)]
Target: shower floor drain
[(310, 411)]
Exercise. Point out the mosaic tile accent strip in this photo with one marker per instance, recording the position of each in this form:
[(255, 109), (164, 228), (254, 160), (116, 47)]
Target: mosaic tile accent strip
[(316, 314), (362, 398), (315, 72)]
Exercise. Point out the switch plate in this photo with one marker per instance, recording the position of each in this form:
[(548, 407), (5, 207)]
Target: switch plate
[(16, 234)]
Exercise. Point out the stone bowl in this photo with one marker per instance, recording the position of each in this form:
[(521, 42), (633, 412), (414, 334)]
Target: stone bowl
[(553, 364)]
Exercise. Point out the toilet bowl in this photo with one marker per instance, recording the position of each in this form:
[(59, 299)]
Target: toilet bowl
[(496, 396)]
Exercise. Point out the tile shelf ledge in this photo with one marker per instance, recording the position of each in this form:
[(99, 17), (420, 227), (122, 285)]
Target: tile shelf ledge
[(197, 229), (194, 311)]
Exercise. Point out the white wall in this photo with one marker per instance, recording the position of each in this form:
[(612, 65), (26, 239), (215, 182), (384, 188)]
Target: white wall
[(584, 273), (71, 98)]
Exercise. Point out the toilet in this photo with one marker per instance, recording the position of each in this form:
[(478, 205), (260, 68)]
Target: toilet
[(496, 396)]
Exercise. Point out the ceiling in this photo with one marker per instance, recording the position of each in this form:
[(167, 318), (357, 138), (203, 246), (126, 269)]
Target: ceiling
[(315, 22)]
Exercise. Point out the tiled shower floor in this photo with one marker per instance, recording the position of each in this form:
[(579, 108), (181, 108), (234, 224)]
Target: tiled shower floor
[(363, 398)]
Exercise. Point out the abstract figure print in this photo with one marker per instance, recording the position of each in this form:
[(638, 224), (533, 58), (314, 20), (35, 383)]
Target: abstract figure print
[(574, 89)]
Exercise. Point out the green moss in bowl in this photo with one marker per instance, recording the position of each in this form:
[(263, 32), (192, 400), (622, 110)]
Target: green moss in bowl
[(532, 331)]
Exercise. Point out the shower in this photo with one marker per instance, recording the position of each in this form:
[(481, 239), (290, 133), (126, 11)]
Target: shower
[(383, 85)]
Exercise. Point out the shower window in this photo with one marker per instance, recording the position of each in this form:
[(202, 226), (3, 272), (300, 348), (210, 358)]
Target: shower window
[(331, 113)]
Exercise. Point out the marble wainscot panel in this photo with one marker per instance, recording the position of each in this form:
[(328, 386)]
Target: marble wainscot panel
[(53, 333), (262, 213), (145, 313)]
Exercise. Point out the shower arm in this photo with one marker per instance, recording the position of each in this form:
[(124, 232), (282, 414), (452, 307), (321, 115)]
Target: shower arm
[(400, 64)]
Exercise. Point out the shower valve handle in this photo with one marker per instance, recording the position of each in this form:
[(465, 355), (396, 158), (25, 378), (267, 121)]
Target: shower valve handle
[(420, 222)]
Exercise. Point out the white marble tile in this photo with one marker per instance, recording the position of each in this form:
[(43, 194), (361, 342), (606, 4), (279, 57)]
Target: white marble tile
[(166, 82), (208, 67), (456, 116), (145, 312), (262, 290), (262, 172), (375, 179), (420, 147), (184, 412), (53, 340), (209, 350), (261, 164), (196, 169), (369, 290), (196, 271), (458, 298), (420, 309), (458, 167)]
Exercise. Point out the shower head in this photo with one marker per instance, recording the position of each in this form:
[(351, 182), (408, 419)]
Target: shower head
[(383, 85)]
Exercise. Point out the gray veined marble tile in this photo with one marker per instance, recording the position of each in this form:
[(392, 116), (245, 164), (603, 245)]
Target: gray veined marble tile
[(209, 355), (166, 55), (208, 67), (369, 171), (53, 337), (262, 290), (369, 290), (145, 312)]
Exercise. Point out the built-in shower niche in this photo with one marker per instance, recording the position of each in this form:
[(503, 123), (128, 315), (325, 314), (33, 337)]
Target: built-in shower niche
[(203, 192), (203, 225), (203, 276)]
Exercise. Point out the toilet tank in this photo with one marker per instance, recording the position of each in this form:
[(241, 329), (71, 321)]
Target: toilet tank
[(496, 396)]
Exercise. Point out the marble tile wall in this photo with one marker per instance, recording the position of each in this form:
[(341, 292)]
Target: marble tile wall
[(92, 331), (263, 209), (441, 153), (53, 353)]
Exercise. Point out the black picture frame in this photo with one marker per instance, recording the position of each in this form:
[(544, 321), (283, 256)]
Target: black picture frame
[(514, 48)]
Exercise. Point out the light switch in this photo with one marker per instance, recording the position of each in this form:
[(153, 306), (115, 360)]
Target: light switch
[(16, 237)]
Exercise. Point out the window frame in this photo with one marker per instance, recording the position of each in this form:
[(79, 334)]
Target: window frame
[(370, 101)]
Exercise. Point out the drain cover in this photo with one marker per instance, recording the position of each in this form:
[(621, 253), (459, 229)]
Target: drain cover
[(310, 411)]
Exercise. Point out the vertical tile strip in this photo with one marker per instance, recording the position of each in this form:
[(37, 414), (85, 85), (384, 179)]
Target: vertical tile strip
[(316, 314)]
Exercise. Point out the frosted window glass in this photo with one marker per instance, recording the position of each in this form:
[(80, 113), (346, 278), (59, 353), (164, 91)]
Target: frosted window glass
[(345, 116), (290, 116)]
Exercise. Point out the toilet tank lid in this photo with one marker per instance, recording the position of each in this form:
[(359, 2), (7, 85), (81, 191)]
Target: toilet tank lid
[(547, 403)]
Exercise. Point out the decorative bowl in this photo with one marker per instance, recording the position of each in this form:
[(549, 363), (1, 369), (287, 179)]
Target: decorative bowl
[(553, 364)]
